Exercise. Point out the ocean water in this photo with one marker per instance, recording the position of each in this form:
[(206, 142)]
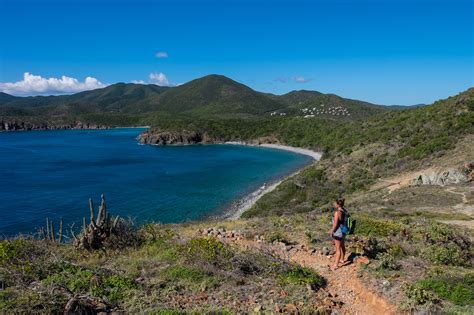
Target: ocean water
[(52, 174)]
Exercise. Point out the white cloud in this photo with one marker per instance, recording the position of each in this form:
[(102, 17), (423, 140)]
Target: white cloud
[(300, 79), (159, 79), (35, 84), (161, 54), (297, 79)]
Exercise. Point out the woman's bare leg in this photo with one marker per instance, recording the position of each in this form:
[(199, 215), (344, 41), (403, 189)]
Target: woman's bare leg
[(338, 254), (343, 252)]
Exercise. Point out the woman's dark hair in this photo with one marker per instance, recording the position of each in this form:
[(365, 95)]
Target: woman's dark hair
[(340, 201)]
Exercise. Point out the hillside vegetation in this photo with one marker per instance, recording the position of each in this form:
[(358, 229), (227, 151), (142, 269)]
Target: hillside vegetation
[(358, 154), (211, 96)]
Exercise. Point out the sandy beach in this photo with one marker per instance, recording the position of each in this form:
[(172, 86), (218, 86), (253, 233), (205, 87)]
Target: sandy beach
[(235, 211), (315, 155)]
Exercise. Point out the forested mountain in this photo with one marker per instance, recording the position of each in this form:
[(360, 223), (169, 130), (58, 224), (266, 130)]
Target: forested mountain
[(209, 96)]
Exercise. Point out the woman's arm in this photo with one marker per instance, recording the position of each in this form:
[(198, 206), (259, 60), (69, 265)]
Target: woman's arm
[(335, 220)]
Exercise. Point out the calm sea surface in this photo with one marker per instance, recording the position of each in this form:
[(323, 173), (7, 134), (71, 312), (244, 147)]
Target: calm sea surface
[(53, 173)]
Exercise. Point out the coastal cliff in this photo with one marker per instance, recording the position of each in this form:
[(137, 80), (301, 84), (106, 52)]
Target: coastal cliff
[(175, 137), (25, 126), (185, 137)]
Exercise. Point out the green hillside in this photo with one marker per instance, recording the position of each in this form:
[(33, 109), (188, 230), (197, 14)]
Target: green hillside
[(117, 97), (213, 94), (216, 95), (210, 96), (358, 154), (4, 98), (121, 97), (328, 105)]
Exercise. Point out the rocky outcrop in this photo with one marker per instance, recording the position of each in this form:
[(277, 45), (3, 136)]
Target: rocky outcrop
[(446, 177), (468, 170), (175, 138), (25, 126), (265, 140), (184, 137)]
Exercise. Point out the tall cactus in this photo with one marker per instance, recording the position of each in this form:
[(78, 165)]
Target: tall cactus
[(49, 234), (98, 230)]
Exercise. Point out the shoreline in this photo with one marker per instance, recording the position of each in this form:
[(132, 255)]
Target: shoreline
[(315, 155), (238, 207), (132, 127), (74, 128)]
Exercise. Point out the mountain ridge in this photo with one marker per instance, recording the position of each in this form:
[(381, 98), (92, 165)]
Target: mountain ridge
[(209, 95)]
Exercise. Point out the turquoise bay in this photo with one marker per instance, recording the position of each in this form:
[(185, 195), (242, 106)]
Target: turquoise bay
[(53, 173)]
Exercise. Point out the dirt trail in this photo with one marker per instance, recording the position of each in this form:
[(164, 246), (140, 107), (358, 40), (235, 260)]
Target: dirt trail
[(343, 284), (400, 181), (464, 207), (463, 194)]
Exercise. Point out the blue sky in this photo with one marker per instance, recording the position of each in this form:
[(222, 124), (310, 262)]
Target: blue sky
[(385, 51)]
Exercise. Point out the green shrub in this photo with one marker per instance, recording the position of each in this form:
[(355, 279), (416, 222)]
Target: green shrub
[(313, 173), (374, 227), (387, 261), (189, 277), (114, 287), (470, 105), (75, 278), (207, 249), (26, 301), (10, 250), (22, 261), (448, 254), (439, 232), (380, 159), (427, 147), (358, 179), (80, 280), (191, 274), (16, 253), (417, 295), (374, 248), (277, 237), (301, 276), (396, 251), (170, 253), (458, 290)]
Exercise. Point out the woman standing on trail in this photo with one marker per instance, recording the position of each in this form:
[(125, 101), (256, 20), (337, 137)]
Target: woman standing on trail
[(336, 233)]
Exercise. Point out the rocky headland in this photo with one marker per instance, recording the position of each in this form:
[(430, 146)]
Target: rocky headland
[(157, 137)]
